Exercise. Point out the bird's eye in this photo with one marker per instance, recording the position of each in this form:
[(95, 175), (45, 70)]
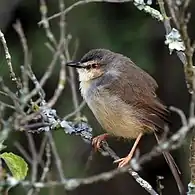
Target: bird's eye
[(92, 66), (88, 67), (95, 65)]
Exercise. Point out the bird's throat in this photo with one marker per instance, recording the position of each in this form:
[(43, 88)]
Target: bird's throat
[(84, 87)]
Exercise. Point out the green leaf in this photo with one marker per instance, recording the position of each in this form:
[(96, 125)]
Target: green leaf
[(16, 165)]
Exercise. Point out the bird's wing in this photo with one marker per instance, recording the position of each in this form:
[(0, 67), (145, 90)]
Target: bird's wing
[(137, 88)]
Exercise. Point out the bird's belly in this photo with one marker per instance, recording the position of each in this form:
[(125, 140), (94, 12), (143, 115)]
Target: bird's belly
[(115, 116)]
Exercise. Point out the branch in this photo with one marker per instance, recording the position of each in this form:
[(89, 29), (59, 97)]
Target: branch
[(82, 2), (71, 184), (9, 61), (82, 129)]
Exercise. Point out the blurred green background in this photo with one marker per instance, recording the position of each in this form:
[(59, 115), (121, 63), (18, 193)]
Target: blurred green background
[(118, 27)]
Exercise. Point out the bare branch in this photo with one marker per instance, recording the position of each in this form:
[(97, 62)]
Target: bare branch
[(9, 61), (82, 2), (56, 156), (47, 73), (23, 151), (79, 108), (19, 30), (71, 184)]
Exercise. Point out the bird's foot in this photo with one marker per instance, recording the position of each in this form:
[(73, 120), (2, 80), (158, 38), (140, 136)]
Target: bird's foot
[(124, 161), (96, 142)]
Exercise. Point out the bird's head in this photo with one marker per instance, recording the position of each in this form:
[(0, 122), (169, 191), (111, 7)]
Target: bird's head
[(94, 64)]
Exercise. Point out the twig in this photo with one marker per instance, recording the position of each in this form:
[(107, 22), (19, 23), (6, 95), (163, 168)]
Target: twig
[(47, 165), (74, 92), (36, 83), (47, 73), (3, 93), (13, 97), (23, 151), (34, 161), (62, 74), (42, 148), (71, 184), (7, 105), (171, 10), (19, 30), (9, 61), (56, 157), (168, 28), (160, 187), (82, 2), (45, 22), (79, 108), (181, 114)]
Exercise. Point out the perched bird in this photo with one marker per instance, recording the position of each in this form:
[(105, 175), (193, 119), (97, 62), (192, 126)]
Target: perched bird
[(122, 97)]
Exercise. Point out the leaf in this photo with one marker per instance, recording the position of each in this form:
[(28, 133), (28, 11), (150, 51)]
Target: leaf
[(16, 165)]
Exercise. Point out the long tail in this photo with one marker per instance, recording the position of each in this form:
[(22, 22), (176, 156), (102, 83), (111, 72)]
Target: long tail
[(174, 169)]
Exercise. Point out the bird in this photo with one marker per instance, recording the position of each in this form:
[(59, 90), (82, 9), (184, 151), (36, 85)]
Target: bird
[(123, 99)]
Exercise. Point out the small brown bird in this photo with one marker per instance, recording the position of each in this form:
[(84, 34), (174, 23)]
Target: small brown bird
[(122, 97)]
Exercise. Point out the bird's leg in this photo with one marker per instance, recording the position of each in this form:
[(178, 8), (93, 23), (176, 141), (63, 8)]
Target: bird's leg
[(124, 161), (96, 141)]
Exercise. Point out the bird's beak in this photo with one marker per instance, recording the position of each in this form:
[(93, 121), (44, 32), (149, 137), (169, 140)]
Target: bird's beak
[(75, 64)]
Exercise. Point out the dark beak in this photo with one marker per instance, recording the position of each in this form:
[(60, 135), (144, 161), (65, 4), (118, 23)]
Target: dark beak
[(75, 64)]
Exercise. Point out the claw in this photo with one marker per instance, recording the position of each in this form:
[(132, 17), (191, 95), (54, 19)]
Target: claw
[(96, 142), (123, 161)]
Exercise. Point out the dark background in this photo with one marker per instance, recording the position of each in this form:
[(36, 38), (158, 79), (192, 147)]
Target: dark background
[(118, 27)]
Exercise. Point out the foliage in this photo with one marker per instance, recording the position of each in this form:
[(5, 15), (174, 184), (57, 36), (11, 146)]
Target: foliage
[(16, 165)]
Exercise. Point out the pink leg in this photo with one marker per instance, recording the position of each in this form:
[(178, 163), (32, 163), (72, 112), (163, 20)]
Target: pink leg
[(124, 161)]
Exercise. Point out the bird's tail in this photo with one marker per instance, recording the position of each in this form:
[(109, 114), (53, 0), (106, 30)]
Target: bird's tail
[(174, 168)]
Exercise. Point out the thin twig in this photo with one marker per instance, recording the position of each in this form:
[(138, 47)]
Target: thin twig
[(3, 93), (23, 151), (79, 108), (13, 97), (47, 165), (72, 83), (34, 161), (82, 2), (19, 30), (42, 148), (47, 74), (9, 60), (62, 74), (56, 157), (45, 22), (7, 105)]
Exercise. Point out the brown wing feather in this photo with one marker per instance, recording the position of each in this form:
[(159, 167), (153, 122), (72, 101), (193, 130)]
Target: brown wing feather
[(137, 88)]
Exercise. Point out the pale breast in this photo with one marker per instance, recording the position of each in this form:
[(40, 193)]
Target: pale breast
[(115, 116)]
